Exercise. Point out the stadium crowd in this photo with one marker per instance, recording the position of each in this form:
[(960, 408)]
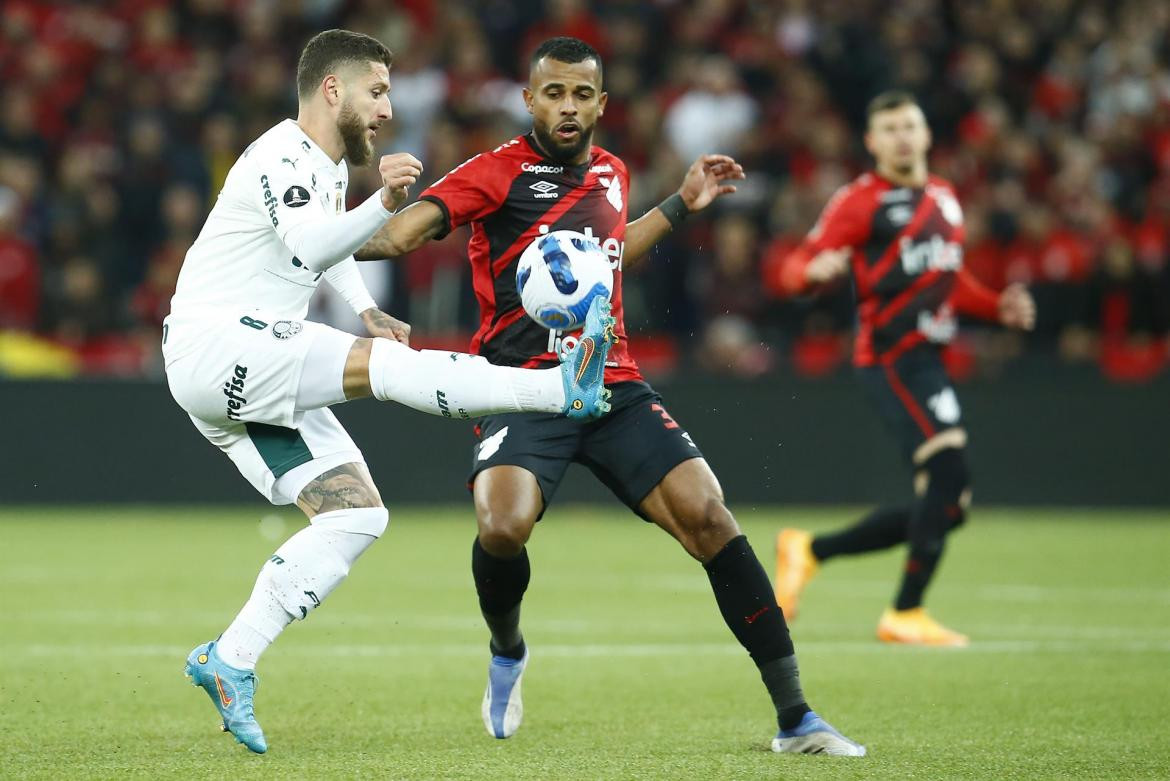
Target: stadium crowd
[(119, 121)]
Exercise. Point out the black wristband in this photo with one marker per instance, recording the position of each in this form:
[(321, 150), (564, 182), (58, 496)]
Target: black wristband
[(675, 210)]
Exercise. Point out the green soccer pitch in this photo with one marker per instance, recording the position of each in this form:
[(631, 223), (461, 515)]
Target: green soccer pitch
[(633, 673)]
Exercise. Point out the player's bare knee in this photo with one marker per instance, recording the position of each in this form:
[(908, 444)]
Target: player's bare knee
[(503, 532), (345, 487), (707, 528)]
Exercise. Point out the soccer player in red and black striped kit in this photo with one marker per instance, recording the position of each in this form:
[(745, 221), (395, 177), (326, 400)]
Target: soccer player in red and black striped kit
[(553, 178), (898, 231)]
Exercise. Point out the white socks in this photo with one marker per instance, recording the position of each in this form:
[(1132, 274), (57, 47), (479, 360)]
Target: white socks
[(298, 577), (458, 385)]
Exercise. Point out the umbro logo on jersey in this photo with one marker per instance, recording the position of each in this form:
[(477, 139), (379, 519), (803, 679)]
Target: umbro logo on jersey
[(295, 196), (544, 189)]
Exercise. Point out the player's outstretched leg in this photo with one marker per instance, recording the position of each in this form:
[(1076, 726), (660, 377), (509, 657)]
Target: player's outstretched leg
[(462, 386), (583, 369), (231, 691)]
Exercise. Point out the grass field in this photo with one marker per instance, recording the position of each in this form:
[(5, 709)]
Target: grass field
[(633, 674)]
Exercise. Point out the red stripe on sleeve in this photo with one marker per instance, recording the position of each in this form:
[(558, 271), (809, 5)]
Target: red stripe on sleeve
[(972, 297)]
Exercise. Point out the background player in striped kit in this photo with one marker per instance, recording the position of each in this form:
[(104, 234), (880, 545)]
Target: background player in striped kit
[(898, 231)]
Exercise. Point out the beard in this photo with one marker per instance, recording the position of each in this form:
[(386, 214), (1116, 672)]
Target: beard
[(561, 151), (359, 150)]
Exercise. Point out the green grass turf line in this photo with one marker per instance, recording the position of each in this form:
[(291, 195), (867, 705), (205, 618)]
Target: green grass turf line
[(633, 674)]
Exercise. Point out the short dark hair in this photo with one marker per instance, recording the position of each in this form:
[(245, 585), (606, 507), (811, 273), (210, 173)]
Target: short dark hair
[(894, 98), (566, 49), (327, 50)]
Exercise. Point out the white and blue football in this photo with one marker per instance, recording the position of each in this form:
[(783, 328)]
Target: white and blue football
[(559, 275)]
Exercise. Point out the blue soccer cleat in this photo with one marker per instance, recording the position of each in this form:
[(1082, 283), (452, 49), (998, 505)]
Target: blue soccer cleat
[(814, 735), (231, 690), (502, 708), (583, 369)]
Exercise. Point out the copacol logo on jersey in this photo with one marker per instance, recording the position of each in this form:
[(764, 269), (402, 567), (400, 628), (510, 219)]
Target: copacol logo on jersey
[(286, 329), (295, 196)]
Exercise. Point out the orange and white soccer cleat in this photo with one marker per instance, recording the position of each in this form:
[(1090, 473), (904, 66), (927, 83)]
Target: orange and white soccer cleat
[(916, 627), (795, 567)]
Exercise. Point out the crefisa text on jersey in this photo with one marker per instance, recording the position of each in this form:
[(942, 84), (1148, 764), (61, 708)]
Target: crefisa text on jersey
[(269, 200), (234, 389)]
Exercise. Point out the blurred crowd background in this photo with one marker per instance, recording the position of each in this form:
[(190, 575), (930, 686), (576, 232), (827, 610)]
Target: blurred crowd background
[(120, 119)]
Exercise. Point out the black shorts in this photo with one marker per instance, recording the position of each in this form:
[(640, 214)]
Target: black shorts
[(630, 449), (914, 397)]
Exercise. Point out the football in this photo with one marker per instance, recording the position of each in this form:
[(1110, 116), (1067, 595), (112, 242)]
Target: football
[(559, 275)]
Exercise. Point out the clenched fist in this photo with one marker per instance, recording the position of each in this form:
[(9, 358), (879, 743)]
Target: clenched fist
[(399, 171)]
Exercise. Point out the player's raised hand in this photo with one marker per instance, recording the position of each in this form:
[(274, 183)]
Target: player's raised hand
[(827, 265), (1017, 308), (399, 171), (378, 323), (707, 179)]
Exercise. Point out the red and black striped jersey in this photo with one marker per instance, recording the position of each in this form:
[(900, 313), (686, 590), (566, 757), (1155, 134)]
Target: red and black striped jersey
[(511, 195), (906, 263)]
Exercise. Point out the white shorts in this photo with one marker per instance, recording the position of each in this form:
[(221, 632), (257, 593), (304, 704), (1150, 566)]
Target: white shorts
[(237, 377)]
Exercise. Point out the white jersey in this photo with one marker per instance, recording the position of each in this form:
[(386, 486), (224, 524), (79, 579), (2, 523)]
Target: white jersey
[(240, 261)]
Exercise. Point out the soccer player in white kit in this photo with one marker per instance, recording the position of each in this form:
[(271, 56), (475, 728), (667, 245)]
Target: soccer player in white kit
[(257, 378)]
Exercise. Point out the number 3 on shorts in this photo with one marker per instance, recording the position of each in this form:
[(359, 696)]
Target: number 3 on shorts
[(259, 325)]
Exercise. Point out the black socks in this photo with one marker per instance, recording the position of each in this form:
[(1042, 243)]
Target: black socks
[(883, 528), (934, 515), (745, 598), (501, 584)]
